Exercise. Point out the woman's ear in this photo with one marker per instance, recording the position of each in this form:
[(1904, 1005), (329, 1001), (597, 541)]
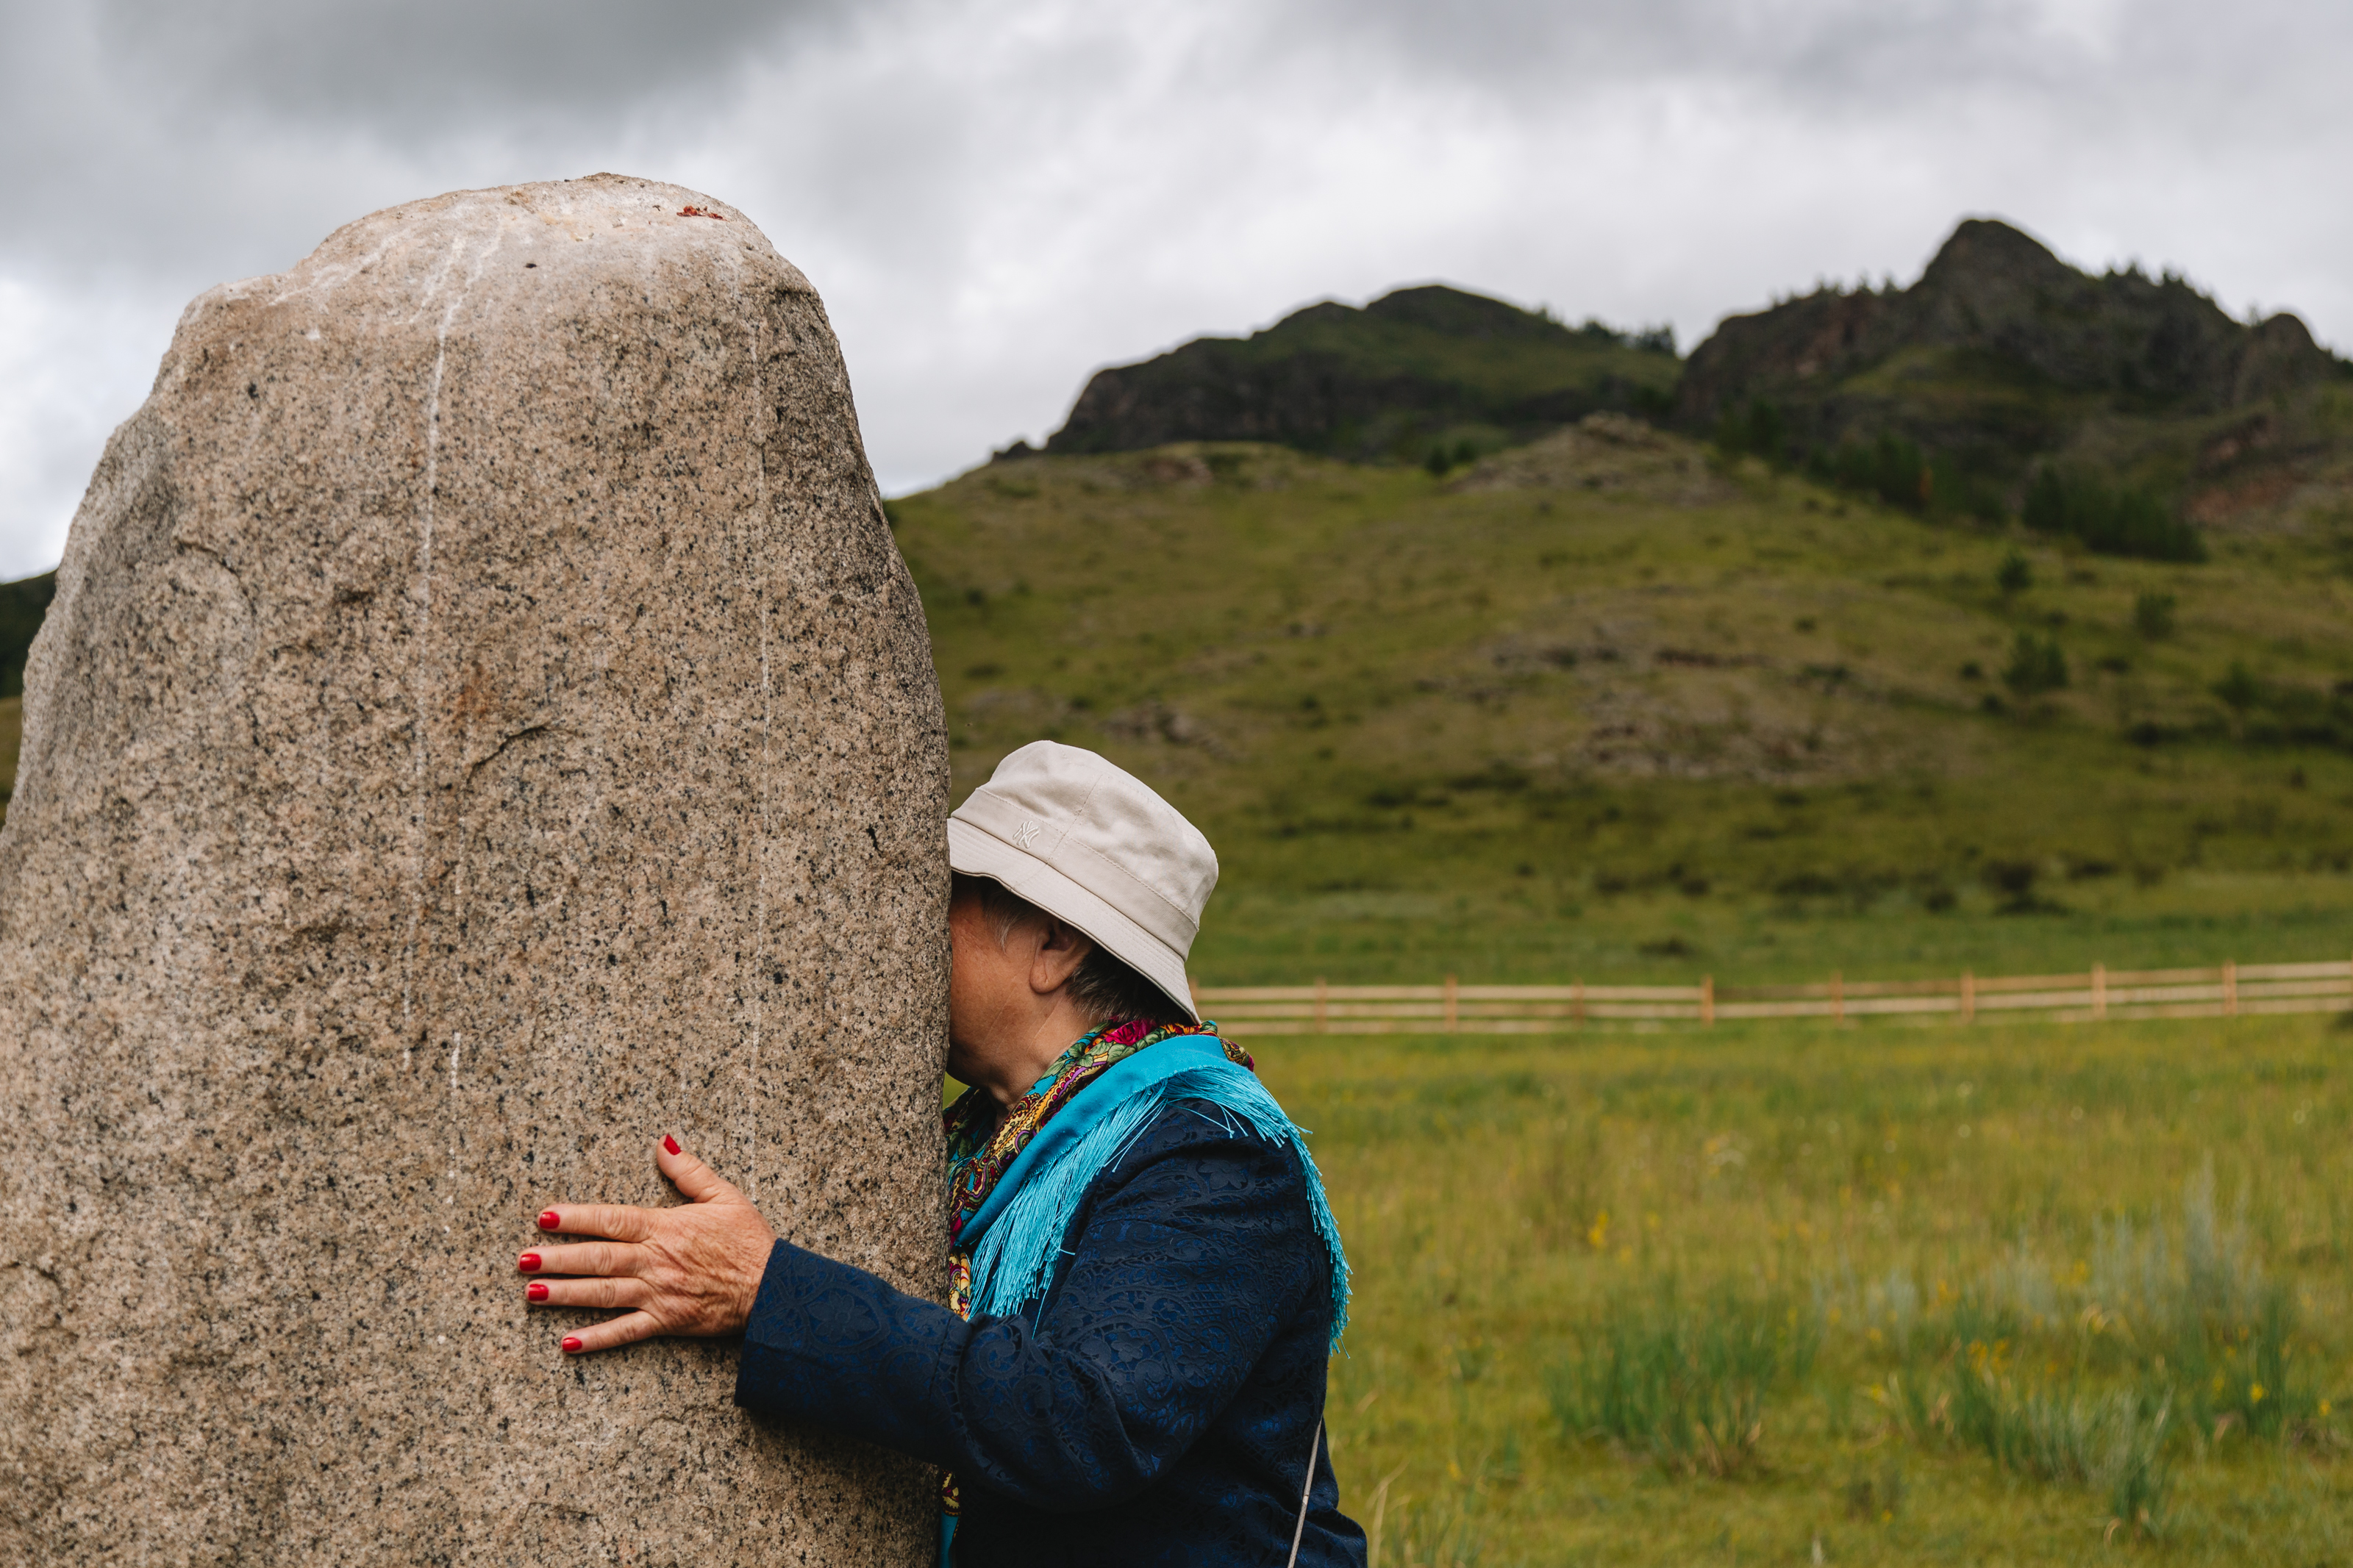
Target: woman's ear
[(1061, 950)]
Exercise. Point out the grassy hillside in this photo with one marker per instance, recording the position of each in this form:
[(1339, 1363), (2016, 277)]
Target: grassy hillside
[(1604, 705)]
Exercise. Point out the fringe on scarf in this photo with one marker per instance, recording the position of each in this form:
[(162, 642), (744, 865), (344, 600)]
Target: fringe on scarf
[(1015, 1261)]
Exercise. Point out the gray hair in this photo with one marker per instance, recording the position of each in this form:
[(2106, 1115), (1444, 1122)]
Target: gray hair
[(1105, 989)]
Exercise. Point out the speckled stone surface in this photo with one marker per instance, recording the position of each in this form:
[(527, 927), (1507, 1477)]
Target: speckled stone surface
[(484, 723)]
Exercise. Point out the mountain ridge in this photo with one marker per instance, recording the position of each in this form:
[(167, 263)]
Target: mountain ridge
[(1418, 364), (1954, 394), (2001, 358)]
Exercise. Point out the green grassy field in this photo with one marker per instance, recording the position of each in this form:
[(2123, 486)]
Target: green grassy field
[(1896, 1255)]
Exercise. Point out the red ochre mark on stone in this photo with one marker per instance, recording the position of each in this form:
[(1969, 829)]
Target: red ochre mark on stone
[(701, 212)]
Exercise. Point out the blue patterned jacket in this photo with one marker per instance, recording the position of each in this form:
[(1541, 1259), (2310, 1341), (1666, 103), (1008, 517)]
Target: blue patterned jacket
[(1156, 1406)]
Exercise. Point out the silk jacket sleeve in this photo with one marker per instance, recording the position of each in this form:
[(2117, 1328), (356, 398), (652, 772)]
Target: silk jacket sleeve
[(1186, 1257)]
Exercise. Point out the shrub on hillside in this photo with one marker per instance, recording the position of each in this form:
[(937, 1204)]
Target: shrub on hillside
[(2153, 615), (2113, 521), (1444, 459), (1891, 469), (1658, 339), (2240, 689), (2037, 665), (1757, 430)]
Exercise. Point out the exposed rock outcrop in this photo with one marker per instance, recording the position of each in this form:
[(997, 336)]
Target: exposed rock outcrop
[(1999, 352)]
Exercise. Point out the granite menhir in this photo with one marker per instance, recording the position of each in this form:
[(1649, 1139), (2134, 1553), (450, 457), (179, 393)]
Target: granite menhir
[(484, 723)]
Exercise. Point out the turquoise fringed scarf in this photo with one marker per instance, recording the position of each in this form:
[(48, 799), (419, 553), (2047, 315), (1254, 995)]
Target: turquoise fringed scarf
[(1009, 1217), (1015, 1237)]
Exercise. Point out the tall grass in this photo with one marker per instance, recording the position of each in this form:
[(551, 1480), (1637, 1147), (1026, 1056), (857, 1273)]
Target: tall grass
[(1685, 1382), (1428, 1533), (2171, 1336), (2113, 1442)]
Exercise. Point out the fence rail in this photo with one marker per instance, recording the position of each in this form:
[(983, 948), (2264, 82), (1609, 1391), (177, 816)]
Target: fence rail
[(1452, 1008)]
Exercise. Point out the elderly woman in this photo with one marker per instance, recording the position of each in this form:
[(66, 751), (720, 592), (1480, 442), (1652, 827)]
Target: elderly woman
[(1145, 1279)]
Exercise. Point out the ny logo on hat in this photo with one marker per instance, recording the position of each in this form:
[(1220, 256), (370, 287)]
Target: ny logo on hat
[(1026, 834)]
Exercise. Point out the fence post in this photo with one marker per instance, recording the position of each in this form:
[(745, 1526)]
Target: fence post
[(1451, 1010), (1968, 995), (1323, 994), (1837, 997), (2099, 991), (1707, 1000), (1576, 1003), (2230, 988)]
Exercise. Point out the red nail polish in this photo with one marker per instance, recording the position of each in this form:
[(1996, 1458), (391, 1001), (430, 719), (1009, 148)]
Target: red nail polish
[(535, 1292), (670, 1143), (528, 1263), (571, 1344), (551, 1220)]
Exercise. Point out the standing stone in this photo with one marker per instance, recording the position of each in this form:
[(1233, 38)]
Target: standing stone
[(484, 723)]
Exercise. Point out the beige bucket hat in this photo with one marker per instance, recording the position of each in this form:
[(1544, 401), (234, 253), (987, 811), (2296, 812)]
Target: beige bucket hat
[(1093, 845)]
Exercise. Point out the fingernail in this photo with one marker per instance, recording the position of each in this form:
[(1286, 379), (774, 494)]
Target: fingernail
[(670, 1143), (528, 1263), (571, 1344), (551, 1220), (535, 1292)]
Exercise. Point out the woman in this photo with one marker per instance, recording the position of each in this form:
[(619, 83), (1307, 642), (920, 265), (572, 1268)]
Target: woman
[(1146, 1279)]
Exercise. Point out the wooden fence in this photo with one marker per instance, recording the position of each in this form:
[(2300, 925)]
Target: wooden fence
[(1456, 1009)]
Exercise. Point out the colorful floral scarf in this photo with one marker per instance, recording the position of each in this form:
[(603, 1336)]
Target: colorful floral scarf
[(981, 1147)]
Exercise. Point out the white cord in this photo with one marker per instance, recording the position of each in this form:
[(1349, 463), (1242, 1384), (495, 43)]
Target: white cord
[(1299, 1532)]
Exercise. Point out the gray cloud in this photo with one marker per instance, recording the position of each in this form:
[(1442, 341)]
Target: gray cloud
[(435, 68), (161, 133), (996, 199), (1833, 58)]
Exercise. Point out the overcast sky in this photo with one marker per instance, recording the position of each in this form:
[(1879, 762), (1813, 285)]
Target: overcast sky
[(996, 199)]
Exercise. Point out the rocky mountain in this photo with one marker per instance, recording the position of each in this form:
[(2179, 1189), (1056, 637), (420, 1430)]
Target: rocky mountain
[(1416, 368), (2003, 358)]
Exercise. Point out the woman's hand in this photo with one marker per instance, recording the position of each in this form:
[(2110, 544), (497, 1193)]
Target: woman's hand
[(691, 1270)]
